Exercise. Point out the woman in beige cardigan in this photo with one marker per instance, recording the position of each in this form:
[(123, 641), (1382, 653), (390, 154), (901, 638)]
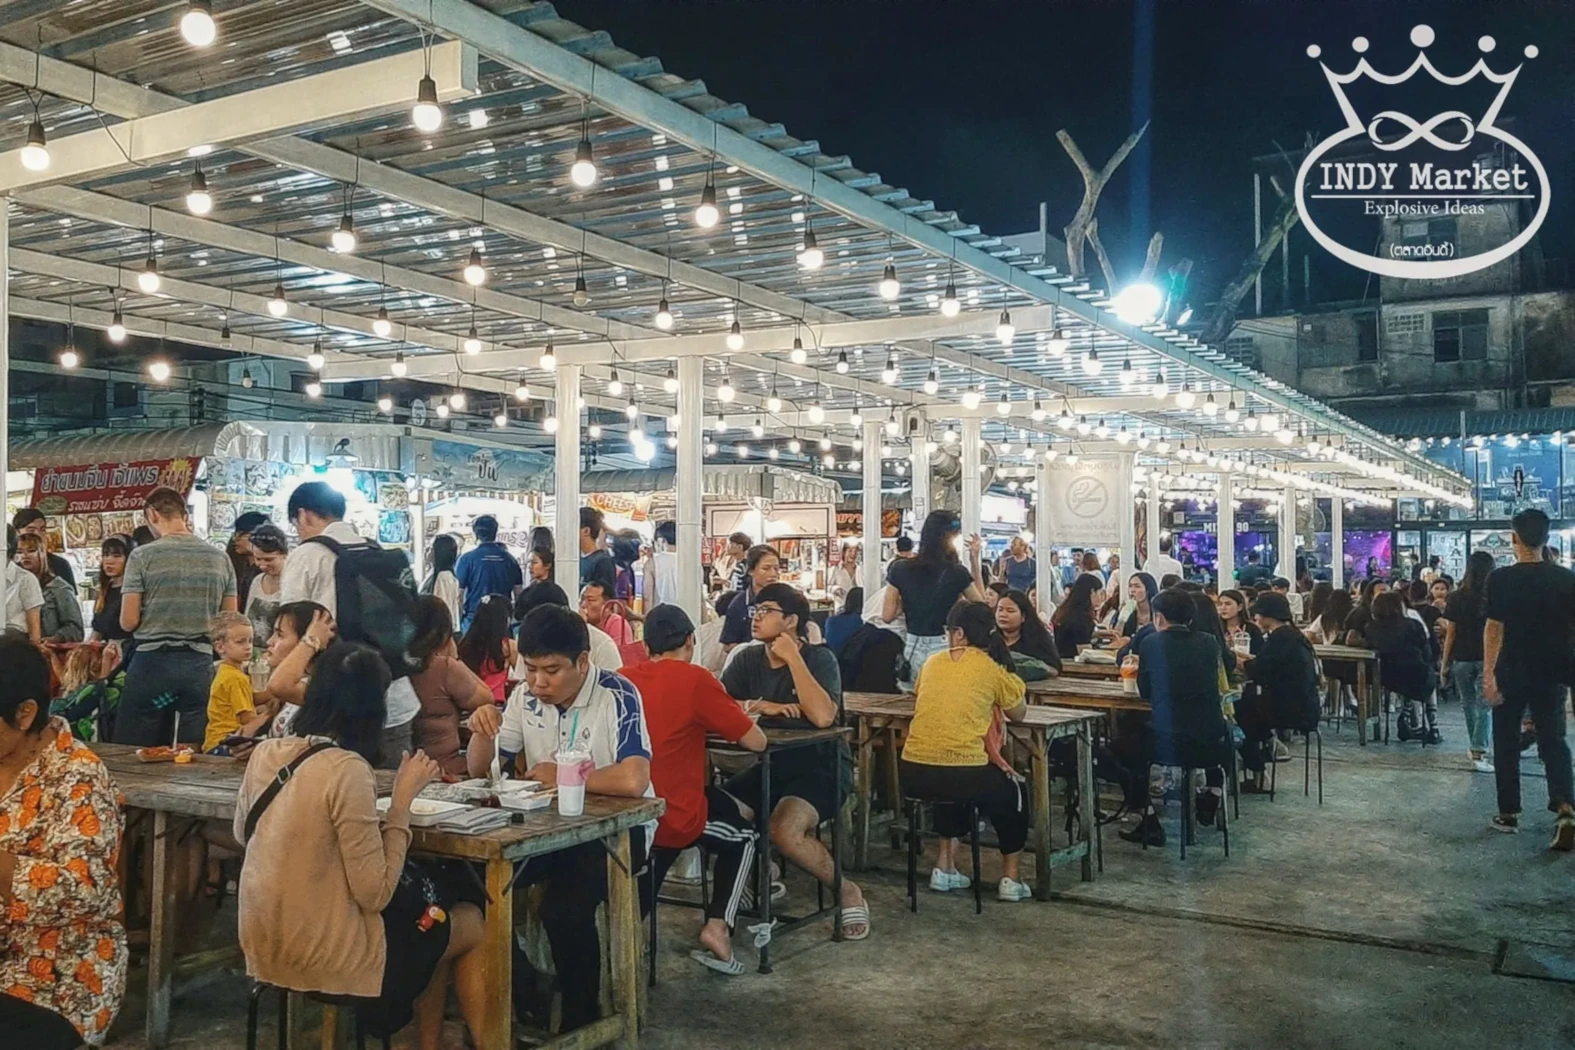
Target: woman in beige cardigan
[(327, 904)]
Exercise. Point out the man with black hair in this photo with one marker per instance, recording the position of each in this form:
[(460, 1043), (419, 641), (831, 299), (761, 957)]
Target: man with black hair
[(23, 596), (30, 520), (568, 703), (1280, 585), (683, 702), (730, 566), (1179, 674), (604, 651), (799, 686), (1526, 651), (487, 568), (1253, 573), (1163, 563), (595, 562), (661, 568)]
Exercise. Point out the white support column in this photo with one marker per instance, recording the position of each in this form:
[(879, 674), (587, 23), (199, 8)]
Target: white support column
[(869, 556), (5, 352), (1286, 563), (1337, 542), (566, 519), (691, 484), (1043, 541), (919, 469), (418, 531), (1151, 515), (1225, 531), (972, 489), (1128, 516)]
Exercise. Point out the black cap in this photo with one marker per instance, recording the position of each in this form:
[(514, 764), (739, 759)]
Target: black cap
[(247, 523), (1274, 606), (666, 628)]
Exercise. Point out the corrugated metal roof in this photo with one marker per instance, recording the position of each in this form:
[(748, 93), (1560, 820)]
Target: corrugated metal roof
[(1439, 422)]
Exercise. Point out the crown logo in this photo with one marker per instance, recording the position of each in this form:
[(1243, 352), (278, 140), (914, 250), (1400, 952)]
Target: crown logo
[(1392, 130)]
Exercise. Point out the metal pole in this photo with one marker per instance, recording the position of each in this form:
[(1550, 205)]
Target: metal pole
[(1128, 516), (972, 487), (1225, 530), (1043, 541), (1287, 544), (869, 573), (418, 532), (1337, 542), (1151, 516), (691, 484), (566, 519)]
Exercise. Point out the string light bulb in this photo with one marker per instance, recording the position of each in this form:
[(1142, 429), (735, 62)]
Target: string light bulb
[(549, 359), (314, 389), (1211, 407), (198, 200), (583, 171), (725, 393), (614, 384), (774, 401), (315, 360), (932, 382), (385, 404), (706, 212), (721, 423), (35, 154), (971, 397), (670, 382), (797, 354), (857, 418), (475, 273), (758, 429), (382, 327), (1092, 366), (343, 239), (842, 362), (1232, 413), (278, 306), (1004, 405), (522, 391), (1159, 388), (950, 306), (1185, 398), (246, 379), (1128, 374), (582, 294), (456, 401), (890, 426), (399, 368), (442, 410), (664, 316), (810, 257), (117, 325), (148, 279), (631, 410), (1058, 344), (1005, 330), (159, 371), (69, 358), (735, 336), (889, 287), (197, 24), (1038, 414), (472, 340), (888, 374), (426, 114)]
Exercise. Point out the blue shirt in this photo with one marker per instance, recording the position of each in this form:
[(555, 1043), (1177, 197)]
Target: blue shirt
[(489, 569), (1019, 574)]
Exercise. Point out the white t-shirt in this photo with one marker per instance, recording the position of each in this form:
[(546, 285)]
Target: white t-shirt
[(606, 721), (445, 588), (664, 573), (309, 571), (1162, 565), (22, 596)]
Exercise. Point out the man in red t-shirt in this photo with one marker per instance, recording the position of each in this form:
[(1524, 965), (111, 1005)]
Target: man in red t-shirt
[(683, 702)]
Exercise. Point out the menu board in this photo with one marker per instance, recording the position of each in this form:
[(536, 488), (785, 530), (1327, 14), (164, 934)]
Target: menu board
[(96, 488)]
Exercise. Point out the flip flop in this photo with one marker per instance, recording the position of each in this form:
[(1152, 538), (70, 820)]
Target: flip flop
[(729, 966), (857, 915)]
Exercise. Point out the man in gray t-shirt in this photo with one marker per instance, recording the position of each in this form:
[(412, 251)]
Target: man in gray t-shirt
[(172, 588)]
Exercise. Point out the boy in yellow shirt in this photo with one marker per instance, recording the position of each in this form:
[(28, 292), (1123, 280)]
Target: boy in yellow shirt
[(230, 701)]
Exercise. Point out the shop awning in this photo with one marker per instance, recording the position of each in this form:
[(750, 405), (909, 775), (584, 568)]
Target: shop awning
[(375, 446), (731, 483), (121, 446)]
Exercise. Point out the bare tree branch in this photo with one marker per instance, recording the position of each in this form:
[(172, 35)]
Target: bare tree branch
[(1101, 255), (1224, 316), (1156, 244), (1077, 231)]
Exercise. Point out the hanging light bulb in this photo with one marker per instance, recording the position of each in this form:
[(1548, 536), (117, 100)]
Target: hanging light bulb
[(1143, 439), (735, 336), (69, 358), (1092, 366), (246, 379), (794, 446), (857, 418), (399, 367), (442, 410), (385, 404), (631, 410), (1058, 344), (670, 381), (1185, 398), (825, 443), (521, 391), (890, 426), (549, 359), (1251, 422), (950, 307), (456, 401), (758, 429), (1005, 330), (1065, 420), (1004, 406), (1038, 414), (741, 450), (1232, 413), (582, 294), (197, 24), (343, 239), (725, 393), (1084, 427), (1211, 407), (889, 286), (475, 273), (1269, 423), (278, 306), (148, 279), (35, 155), (1101, 429), (314, 389), (1123, 436), (706, 213), (842, 362), (1159, 388), (426, 114), (1128, 374), (664, 316), (797, 354), (932, 382), (949, 436), (472, 341), (774, 402), (721, 423), (382, 327), (614, 384), (888, 374), (159, 371), (971, 397), (315, 359), (810, 257), (198, 200), (501, 419), (583, 171), (117, 326)]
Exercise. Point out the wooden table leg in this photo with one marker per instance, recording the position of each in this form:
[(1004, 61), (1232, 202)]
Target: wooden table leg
[(1362, 702), (161, 933), (863, 802), (498, 949), (623, 926), (1088, 798), (1039, 769)]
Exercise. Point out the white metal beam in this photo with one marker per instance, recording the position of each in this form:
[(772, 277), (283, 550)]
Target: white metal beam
[(337, 95)]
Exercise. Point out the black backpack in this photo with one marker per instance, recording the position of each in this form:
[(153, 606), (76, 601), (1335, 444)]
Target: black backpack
[(376, 606)]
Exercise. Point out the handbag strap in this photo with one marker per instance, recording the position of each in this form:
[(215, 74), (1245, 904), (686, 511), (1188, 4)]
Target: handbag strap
[(276, 785)]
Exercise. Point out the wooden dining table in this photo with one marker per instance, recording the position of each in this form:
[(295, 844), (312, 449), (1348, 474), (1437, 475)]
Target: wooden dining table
[(206, 789), (1368, 700)]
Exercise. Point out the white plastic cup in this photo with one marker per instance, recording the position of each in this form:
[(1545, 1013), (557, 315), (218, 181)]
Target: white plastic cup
[(573, 768), (1241, 641)]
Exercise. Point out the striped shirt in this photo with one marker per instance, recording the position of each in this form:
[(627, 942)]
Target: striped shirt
[(183, 581)]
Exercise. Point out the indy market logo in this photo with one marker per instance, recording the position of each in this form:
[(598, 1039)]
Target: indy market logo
[(1451, 163)]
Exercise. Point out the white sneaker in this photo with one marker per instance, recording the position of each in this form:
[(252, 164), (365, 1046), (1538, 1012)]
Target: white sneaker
[(1012, 891), (946, 881), (1281, 752), (1482, 765)]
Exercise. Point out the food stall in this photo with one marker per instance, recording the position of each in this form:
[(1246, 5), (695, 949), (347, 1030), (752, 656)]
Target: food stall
[(460, 480)]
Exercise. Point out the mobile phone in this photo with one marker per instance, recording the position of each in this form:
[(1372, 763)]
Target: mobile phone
[(237, 739)]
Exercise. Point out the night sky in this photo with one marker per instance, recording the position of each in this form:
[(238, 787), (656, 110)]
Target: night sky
[(959, 101)]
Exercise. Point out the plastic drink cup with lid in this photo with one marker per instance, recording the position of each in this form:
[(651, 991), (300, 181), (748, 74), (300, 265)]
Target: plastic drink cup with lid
[(573, 768)]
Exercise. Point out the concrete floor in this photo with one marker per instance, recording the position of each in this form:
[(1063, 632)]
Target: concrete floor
[(1376, 920)]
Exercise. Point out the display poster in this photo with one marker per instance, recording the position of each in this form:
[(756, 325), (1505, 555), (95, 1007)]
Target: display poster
[(1085, 500), (97, 488)]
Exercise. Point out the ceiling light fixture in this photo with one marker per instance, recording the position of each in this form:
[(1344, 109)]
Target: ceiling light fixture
[(159, 371), (278, 306), (198, 200), (1092, 366), (197, 24), (888, 374), (950, 307), (932, 382), (664, 314), (117, 325), (810, 257), (1005, 330), (670, 381), (382, 327), (842, 362), (475, 272), (148, 279), (797, 354), (614, 384), (735, 336), (889, 287), (549, 359), (399, 367)]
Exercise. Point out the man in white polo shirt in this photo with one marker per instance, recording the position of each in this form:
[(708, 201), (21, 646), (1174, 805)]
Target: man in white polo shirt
[(23, 596), (568, 703)]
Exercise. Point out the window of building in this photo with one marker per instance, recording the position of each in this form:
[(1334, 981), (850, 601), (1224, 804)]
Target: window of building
[(126, 395), (1366, 336), (1407, 324), (1460, 335), (1242, 348)]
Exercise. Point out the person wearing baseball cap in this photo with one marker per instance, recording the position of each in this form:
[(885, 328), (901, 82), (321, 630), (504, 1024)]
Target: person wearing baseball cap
[(1283, 680), (683, 703)]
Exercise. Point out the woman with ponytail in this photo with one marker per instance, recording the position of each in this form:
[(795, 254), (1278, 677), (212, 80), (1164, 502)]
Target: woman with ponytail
[(959, 691)]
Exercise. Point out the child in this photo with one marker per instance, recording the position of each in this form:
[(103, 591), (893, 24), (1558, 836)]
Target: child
[(230, 699), (90, 686), (487, 648)]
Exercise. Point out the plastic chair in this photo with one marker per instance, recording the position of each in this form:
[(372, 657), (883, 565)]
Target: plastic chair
[(971, 814)]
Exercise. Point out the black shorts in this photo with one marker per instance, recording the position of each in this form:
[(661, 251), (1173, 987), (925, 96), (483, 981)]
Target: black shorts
[(413, 954), (814, 781), (36, 1027)]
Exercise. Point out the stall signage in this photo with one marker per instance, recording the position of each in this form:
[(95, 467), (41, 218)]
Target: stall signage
[(635, 508), (109, 487), (1085, 501)]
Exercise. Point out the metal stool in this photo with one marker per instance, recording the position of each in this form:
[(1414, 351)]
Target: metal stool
[(971, 814), (1308, 735)]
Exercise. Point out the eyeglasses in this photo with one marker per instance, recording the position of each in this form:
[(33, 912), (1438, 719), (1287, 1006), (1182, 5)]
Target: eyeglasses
[(757, 611)]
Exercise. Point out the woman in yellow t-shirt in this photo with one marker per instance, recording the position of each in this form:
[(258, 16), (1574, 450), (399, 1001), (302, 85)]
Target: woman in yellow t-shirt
[(958, 693)]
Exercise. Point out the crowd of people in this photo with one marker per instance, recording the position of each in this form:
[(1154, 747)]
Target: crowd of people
[(488, 663)]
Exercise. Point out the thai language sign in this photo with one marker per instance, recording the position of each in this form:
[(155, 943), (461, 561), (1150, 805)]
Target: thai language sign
[(109, 487)]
